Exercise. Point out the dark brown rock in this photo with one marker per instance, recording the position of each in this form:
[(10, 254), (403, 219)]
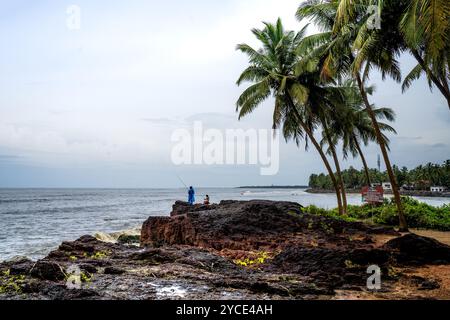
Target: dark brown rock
[(246, 225), (213, 225), (47, 270), (113, 271), (21, 266), (88, 268), (181, 208), (425, 284), (155, 256), (335, 267), (414, 249)]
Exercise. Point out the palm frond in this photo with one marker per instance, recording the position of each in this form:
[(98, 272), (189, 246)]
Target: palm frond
[(413, 75), (252, 97)]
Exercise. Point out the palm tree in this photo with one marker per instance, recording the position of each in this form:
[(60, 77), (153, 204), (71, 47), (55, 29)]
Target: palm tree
[(272, 73), (350, 48), (330, 140), (421, 27), (350, 123), (425, 25), (353, 126), (330, 119), (358, 130), (324, 105), (374, 49)]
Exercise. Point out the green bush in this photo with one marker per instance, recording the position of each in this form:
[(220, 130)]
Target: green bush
[(418, 214), (334, 213)]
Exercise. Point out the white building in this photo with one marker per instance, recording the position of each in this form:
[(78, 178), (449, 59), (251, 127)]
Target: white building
[(437, 189), (387, 186)]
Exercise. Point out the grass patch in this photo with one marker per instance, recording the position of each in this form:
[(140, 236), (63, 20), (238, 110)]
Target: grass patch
[(97, 255), (260, 258), (10, 283), (334, 213)]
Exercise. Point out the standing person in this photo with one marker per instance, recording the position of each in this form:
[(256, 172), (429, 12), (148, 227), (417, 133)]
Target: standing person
[(191, 196), (206, 201)]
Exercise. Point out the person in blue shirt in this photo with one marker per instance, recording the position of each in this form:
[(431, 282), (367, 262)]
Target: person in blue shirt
[(191, 196)]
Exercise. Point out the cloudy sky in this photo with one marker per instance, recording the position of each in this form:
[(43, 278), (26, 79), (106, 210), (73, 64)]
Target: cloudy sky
[(96, 107)]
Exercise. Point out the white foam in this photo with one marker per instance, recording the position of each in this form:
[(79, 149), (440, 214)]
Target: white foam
[(114, 236)]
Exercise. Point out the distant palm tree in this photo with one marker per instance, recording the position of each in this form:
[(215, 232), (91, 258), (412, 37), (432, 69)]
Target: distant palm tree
[(349, 48), (325, 102), (331, 119), (353, 126), (272, 72), (359, 131), (350, 123)]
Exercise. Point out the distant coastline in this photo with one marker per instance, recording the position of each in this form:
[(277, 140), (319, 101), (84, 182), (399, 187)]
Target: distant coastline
[(273, 187)]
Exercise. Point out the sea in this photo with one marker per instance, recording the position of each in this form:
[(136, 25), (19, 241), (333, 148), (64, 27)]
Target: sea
[(35, 221)]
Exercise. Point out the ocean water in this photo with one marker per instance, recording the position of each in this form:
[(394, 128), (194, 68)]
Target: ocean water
[(35, 221)]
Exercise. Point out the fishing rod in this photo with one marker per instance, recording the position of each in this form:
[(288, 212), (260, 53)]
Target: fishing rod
[(181, 180)]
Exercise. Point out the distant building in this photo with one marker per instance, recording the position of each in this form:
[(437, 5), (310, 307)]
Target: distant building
[(437, 189), (387, 186)]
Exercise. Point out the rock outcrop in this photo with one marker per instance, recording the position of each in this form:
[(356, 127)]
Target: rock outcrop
[(414, 249), (242, 225)]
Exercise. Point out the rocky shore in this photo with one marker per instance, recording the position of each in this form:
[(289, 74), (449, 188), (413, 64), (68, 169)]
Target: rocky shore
[(237, 250)]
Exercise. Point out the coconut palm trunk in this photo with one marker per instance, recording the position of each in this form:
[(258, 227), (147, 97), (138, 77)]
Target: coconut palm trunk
[(338, 167), (327, 165), (341, 181), (319, 149), (363, 159), (380, 140)]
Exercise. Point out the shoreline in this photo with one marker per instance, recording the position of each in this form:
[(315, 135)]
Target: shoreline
[(104, 234), (272, 187), (418, 193)]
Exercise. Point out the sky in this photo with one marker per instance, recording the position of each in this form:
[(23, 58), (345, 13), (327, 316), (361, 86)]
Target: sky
[(96, 106)]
